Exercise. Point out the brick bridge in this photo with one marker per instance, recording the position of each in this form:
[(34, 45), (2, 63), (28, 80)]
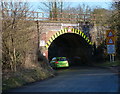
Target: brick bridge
[(67, 39), (72, 35)]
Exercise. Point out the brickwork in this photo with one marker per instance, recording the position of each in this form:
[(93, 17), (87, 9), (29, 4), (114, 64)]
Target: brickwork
[(48, 29)]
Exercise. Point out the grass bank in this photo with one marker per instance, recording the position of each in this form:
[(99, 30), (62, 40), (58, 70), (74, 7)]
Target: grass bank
[(25, 76)]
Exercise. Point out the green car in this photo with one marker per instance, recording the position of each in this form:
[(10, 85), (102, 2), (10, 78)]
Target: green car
[(57, 62)]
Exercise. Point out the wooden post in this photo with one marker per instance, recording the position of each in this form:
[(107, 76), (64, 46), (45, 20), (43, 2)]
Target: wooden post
[(113, 58), (110, 57)]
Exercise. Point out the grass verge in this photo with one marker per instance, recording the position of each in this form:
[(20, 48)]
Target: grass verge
[(25, 76), (109, 64)]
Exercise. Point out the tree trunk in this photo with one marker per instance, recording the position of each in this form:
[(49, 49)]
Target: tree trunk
[(14, 55)]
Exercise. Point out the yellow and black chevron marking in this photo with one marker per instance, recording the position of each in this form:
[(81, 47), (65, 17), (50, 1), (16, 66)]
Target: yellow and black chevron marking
[(63, 31)]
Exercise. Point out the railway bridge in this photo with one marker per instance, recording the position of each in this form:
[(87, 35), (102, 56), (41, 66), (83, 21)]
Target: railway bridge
[(72, 40), (70, 35)]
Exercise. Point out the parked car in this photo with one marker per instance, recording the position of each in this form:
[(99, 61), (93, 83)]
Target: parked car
[(57, 62)]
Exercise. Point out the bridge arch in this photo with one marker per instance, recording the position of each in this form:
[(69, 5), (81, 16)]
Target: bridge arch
[(67, 30), (69, 42)]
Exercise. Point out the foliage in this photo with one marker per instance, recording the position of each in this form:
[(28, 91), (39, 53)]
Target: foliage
[(115, 17), (99, 53), (101, 15)]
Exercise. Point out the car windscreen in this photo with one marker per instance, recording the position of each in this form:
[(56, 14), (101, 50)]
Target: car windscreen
[(62, 59)]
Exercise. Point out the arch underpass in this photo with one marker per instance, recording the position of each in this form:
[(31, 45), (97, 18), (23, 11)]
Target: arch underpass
[(73, 45)]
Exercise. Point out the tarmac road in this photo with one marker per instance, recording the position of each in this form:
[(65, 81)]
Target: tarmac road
[(76, 79)]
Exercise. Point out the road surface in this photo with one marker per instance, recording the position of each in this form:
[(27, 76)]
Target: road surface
[(79, 79)]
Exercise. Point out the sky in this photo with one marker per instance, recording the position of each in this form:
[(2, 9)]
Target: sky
[(74, 3), (106, 4), (94, 4)]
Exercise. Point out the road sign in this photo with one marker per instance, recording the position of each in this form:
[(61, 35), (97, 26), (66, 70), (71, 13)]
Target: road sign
[(110, 33), (111, 49), (110, 40), (69, 29), (42, 42), (110, 37)]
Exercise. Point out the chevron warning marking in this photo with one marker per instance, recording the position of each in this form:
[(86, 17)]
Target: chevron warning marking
[(67, 30)]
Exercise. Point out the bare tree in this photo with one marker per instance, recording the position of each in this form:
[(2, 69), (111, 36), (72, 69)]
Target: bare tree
[(54, 8), (78, 13), (15, 35)]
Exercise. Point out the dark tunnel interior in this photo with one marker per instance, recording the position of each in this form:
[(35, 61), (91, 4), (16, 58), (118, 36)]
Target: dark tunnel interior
[(72, 46)]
